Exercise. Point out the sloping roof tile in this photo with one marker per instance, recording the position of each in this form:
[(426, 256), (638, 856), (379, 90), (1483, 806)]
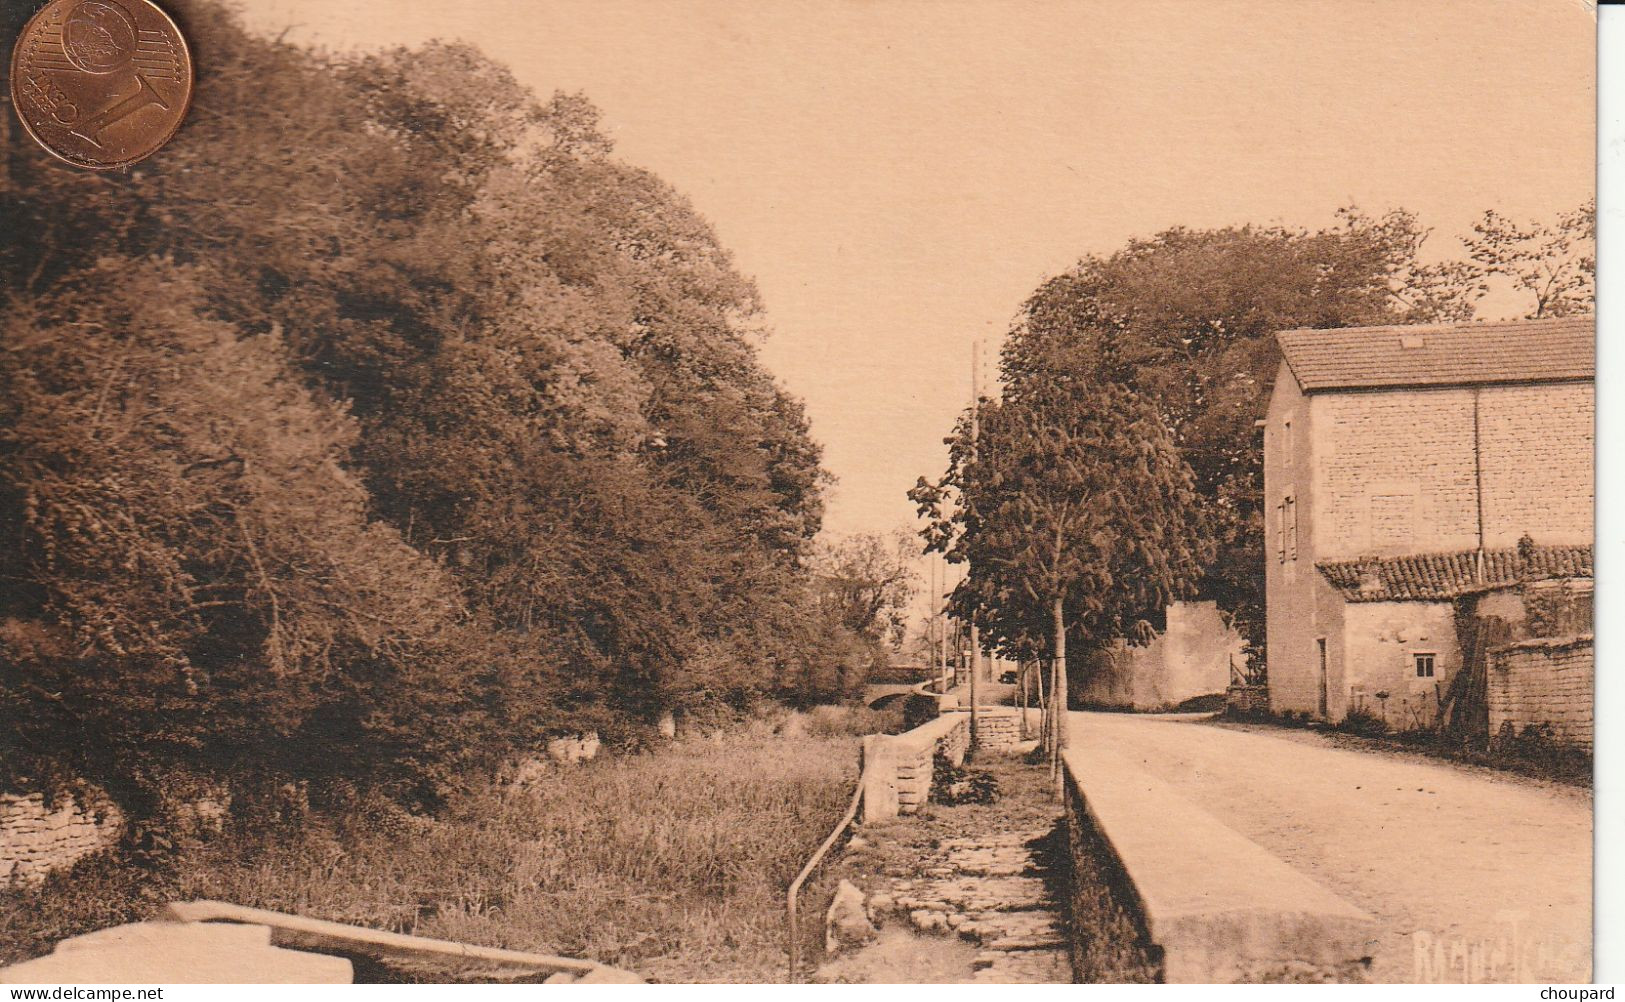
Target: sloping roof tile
[(1439, 577), (1512, 351)]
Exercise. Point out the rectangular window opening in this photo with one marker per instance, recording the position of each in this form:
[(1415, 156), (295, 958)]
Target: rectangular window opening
[(1291, 505), (1424, 665)]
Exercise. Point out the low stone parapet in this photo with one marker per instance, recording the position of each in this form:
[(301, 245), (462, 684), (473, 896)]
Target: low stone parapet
[(1163, 891), (1247, 700), (897, 768), (998, 728)]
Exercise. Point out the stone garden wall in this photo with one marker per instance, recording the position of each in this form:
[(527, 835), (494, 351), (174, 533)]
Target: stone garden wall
[(1544, 683), (37, 837), (1247, 700)]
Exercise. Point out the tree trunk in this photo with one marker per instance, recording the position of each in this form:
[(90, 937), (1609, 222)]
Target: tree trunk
[(1023, 676), (1058, 696), (975, 669), (1043, 706)]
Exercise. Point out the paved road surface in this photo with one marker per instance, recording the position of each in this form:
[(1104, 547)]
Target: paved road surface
[(1468, 872)]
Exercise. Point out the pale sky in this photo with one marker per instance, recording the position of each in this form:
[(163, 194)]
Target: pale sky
[(898, 175)]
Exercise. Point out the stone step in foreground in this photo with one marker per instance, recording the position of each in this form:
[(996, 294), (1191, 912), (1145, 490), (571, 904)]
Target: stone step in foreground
[(971, 893), (990, 890), (1023, 967)]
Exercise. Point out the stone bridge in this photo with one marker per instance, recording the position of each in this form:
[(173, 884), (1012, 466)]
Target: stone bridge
[(880, 696)]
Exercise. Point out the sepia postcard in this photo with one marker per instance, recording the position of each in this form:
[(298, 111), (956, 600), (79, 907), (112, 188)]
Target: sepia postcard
[(800, 491)]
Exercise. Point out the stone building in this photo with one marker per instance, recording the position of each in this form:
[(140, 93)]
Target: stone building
[(1402, 466)]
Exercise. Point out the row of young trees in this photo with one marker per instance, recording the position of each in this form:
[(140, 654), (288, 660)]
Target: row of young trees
[(1120, 468), (384, 423)]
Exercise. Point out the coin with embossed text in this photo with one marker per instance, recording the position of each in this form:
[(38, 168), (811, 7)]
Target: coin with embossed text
[(101, 83)]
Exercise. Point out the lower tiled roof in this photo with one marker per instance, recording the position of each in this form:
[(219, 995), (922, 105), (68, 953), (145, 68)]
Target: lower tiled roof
[(1437, 577)]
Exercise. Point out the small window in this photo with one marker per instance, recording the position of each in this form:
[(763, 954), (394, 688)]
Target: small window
[(1291, 528), (1424, 665), (1286, 443), (1280, 532)]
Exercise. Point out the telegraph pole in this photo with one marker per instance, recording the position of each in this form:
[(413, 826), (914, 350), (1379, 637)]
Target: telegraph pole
[(930, 616), (975, 435), (939, 632)]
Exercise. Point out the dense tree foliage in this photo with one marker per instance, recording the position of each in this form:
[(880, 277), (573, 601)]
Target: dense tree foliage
[(1074, 515), (381, 433), (865, 583)]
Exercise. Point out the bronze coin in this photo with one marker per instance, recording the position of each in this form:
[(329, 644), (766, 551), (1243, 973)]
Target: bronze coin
[(101, 83)]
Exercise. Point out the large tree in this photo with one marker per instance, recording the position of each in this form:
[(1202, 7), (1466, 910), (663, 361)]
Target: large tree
[(1552, 264), (1075, 516), (866, 581)]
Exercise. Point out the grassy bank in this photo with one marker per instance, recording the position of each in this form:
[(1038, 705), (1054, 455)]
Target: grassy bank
[(671, 864)]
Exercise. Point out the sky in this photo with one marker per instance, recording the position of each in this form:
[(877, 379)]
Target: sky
[(898, 175)]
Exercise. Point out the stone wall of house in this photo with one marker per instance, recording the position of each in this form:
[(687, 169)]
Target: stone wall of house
[(1537, 444), (37, 836), (1293, 586), (1380, 644), (1546, 682), (1397, 471)]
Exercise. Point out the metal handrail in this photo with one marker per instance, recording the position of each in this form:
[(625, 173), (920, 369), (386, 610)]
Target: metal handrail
[(792, 916)]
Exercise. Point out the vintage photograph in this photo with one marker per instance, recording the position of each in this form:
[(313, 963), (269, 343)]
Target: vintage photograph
[(797, 491)]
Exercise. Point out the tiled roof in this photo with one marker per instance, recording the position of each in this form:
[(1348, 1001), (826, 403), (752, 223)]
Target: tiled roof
[(1512, 351), (1438, 577)]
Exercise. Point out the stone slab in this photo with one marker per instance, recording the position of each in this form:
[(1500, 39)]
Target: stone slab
[(225, 936), (976, 894), (1023, 967), (178, 953)]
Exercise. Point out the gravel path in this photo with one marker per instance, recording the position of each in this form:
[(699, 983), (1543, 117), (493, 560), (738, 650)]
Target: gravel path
[(1472, 875)]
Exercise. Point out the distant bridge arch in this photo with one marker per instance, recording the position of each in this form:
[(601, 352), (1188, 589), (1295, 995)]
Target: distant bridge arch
[(882, 696)]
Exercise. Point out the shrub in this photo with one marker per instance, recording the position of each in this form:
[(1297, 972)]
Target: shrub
[(853, 721), (99, 891), (1363, 722), (952, 785)]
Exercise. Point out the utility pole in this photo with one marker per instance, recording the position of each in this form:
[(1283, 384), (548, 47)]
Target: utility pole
[(975, 435), (930, 616), (939, 642)]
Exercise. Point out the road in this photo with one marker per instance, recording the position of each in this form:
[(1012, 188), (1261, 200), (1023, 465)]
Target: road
[(1471, 874)]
